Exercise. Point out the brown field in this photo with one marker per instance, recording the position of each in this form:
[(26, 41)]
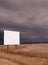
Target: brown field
[(25, 54)]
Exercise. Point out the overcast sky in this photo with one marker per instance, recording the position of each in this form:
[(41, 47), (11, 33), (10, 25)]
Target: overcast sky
[(30, 17)]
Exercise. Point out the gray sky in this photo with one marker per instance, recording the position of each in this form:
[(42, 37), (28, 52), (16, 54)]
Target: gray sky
[(30, 17)]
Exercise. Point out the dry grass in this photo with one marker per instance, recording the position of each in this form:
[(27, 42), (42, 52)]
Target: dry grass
[(29, 54)]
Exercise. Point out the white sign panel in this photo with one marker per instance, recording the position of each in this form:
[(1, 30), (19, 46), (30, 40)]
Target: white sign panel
[(11, 37)]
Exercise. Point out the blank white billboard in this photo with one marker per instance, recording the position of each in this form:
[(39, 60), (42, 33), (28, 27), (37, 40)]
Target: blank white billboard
[(11, 37)]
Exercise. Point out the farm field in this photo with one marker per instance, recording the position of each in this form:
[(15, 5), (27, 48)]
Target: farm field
[(24, 54)]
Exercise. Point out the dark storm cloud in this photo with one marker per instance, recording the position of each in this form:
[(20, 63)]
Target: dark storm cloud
[(17, 4), (30, 17)]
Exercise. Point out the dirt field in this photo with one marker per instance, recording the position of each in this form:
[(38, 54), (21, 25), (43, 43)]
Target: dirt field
[(26, 54)]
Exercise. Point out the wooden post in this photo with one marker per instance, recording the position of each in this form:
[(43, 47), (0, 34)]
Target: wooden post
[(15, 46), (7, 47)]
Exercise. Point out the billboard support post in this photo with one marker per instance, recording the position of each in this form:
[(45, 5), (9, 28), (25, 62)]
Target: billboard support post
[(15, 46), (7, 47)]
